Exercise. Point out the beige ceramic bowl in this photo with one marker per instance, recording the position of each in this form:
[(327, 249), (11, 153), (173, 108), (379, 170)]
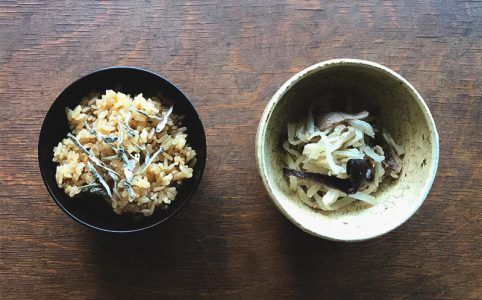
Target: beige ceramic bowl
[(401, 110)]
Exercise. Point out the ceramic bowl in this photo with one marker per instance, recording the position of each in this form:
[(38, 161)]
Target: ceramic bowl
[(92, 210), (401, 110)]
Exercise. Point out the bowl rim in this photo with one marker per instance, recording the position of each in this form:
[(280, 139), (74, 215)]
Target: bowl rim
[(322, 66), (201, 162)]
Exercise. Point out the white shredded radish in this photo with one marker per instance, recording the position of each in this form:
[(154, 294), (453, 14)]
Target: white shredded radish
[(298, 161), (310, 125), (293, 180), (314, 151), (341, 138), (334, 118), (357, 139), (379, 172), (365, 127), (392, 143), (301, 133), (330, 197), (313, 189), (291, 134), (335, 169), (348, 154), (368, 151), (327, 151), (287, 148), (364, 197), (293, 183), (303, 197), (319, 201)]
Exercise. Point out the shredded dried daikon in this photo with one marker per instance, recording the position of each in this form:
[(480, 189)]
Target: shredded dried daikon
[(325, 148), (392, 143)]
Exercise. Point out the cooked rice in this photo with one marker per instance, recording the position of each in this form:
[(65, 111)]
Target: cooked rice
[(96, 123)]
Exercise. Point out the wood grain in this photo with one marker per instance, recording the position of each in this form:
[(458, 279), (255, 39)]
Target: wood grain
[(229, 57)]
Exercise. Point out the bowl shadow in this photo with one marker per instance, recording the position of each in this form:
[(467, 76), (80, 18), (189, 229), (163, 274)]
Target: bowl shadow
[(340, 270), (175, 259)]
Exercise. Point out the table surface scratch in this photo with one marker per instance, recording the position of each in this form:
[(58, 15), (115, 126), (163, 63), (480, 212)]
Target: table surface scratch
[(230, 57)]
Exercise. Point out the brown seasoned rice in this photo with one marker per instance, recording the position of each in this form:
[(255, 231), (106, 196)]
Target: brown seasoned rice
[(156, 154)]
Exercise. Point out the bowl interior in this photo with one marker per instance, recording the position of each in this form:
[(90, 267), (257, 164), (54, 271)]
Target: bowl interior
[(92, 210), (400, 109)]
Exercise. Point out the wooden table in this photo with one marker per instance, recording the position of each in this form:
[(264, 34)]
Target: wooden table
[(230, 57)]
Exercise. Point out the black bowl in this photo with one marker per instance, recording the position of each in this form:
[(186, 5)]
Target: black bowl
[(91, 210)]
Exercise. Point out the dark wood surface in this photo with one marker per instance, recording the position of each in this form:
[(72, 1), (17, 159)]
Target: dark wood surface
[(230, 57)]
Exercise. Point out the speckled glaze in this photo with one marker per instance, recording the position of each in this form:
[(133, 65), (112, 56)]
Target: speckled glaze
[(400, 109)]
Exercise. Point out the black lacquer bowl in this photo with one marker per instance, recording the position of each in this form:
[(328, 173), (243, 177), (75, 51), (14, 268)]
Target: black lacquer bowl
[(92, 210)]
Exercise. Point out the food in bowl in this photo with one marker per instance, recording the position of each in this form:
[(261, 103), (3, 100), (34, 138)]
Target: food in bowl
[(336, 158), (333, 85), (131, 150)]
